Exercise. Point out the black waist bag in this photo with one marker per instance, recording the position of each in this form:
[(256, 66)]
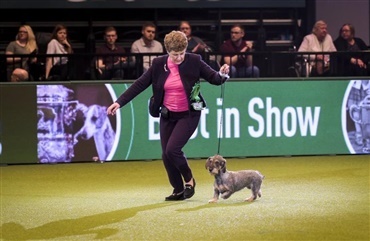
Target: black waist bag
[(153, 110)]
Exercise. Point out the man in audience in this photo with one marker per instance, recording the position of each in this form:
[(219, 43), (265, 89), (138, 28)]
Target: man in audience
[(236, 51), (19, 75), (110, 65), (197, 45), (147, 44)]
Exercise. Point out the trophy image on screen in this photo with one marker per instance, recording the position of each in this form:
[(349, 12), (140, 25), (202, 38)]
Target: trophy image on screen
[(360, 114), (56, 112)]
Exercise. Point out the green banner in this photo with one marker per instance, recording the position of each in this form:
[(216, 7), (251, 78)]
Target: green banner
[(67, 122), (253, 119)]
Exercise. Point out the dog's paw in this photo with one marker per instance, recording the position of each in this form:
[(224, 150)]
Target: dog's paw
[(226, 195), (250, 199), (213, 200)]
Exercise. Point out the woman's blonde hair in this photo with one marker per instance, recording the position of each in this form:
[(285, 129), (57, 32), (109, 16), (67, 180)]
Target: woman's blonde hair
[(31, 41), (175, 41), (317, 26)]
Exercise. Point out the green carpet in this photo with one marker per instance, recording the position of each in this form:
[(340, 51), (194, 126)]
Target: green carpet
[(303, 198)]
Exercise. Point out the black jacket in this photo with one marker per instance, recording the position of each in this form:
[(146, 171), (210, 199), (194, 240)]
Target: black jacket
[(342, 45), (192, 69), (345, 68)]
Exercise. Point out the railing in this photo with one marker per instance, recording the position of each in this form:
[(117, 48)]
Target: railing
[(270, 64)]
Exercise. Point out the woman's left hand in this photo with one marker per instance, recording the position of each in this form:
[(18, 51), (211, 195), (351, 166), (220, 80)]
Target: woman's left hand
[(111, 110), (224, 70)]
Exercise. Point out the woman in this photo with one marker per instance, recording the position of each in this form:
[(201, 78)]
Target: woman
[(57, 68), (354, 64), (318, 41), (25, 43), (173, 77)]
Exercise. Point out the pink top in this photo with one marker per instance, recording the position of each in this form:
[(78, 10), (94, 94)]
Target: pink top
[(175, 98)]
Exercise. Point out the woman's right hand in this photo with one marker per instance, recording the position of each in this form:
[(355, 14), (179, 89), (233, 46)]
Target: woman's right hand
[(113, 108)]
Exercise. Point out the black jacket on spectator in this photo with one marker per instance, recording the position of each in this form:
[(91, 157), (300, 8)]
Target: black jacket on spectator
[(345, 67)]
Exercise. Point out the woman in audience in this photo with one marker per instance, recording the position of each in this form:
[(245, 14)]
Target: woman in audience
[(352, 64), (318, 41), (57, 67), (24, 43)]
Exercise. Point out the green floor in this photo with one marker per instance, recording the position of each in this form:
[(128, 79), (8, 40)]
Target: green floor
[(303, 198)]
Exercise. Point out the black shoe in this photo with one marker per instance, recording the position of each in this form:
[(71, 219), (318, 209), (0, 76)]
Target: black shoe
[(175, 197), (189, 190)]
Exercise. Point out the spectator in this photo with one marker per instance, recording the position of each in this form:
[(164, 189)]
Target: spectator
[(109, 64), (352, 64), (197, 45), (19, 75), (236, 49), (318, 41), (147, 44), (25, 43), (57, 68)]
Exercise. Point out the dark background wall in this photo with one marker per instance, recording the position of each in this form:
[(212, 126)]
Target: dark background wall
[(150, 3), (338, 12), (334, 12)]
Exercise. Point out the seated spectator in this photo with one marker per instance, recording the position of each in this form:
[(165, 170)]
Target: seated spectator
[(147, 44), (241, 64), (352, 64), (57, 68), (196, 44), (19, 75), (25, 43), (109, 64), (318, 41)]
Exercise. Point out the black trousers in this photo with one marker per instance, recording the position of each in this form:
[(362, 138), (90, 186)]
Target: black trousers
[(62, 72), (175, 132)]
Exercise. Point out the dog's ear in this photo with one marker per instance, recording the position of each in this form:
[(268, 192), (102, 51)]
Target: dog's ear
[(99, 110), (81, 107), (100, 114), (208, 160), (223, 164)]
